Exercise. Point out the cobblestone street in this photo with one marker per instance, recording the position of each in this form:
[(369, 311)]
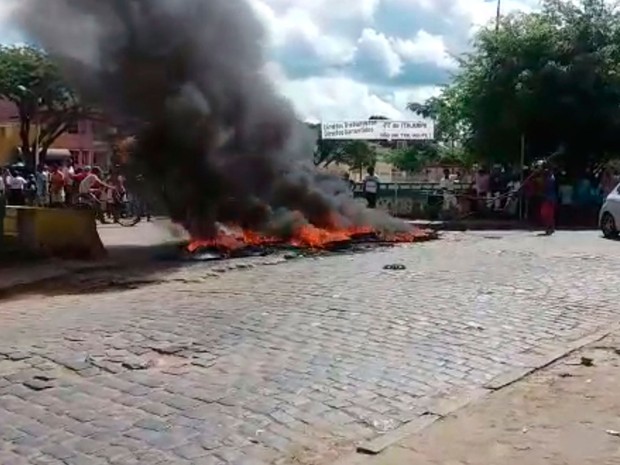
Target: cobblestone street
[(290, 363)]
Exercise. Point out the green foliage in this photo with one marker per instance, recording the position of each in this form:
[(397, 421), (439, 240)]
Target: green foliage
[(444, 148), (358, 155), (30, 80), (414, 157), (553, 76), (327, 152)]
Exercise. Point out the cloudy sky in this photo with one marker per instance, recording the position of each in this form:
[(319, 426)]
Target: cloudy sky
[(349, 59)]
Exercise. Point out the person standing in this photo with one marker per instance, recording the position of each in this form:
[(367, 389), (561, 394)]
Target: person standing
[(68, 173), (346, 177), (447, 188), (549, 201), (481, 185), (57, 187), (371, 187), (42, 177), (17, 186)]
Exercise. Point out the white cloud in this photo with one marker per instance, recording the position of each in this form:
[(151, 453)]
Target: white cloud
[(377, 50), (355, 58), (8, 34), (342, 59), (425, 48), (336, 98)]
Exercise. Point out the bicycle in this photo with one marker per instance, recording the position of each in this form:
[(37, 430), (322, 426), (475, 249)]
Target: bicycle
[(122, 212), (126, 213)]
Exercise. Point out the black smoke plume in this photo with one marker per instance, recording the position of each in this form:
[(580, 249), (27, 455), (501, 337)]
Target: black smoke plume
[(213, 138)]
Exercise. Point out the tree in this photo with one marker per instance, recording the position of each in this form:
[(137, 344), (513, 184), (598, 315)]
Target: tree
[(552, 76), (47, 106), (329, 151), (326, 151), (444, 147), (358, 155), (414, 157)]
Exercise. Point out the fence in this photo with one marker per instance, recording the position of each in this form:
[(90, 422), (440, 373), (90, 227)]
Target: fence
[(418, 200)]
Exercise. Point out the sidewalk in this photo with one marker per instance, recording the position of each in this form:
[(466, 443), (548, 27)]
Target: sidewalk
[(469, 224), (125, 246), (566, 414)]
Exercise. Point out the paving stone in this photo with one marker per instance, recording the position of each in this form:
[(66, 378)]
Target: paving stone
[(190, 451), (263, 360), (152, 424), (81, 459), (158, 409), (58, 451), (88, 446), (18, 356)]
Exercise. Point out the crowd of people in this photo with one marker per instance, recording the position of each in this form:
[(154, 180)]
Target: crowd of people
[(540, 194), (60, 185), (533, 192)]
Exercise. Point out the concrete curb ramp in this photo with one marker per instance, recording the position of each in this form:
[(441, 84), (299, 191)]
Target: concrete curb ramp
[(56, 232)]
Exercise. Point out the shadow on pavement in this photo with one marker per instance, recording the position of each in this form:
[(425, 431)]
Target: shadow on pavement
[(127, 267)]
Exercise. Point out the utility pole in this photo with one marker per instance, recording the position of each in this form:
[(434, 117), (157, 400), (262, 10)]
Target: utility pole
[(522, 170), (498, 14)]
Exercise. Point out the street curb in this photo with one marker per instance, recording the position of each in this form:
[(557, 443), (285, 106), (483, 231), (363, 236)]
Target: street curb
[(17, 288), (462, 226), (416, 426), (376, 445), (514, 376)]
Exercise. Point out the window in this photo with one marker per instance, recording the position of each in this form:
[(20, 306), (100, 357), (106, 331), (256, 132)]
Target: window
[(72, 128)]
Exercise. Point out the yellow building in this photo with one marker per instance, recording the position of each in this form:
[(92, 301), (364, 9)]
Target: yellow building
[(9, 139)]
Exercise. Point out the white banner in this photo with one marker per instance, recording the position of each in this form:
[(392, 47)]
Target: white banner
[(421, 129)]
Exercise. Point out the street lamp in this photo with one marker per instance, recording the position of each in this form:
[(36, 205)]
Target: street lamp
[(25, 90)]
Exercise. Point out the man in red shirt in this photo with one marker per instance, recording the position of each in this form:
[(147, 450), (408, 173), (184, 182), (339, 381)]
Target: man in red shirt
[(77, 177)]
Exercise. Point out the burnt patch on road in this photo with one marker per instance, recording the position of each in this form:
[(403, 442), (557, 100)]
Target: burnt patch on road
[(211, 260)]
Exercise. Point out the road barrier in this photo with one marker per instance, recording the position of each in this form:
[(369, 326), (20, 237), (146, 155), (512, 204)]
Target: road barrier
[(422, 200), (57, 232)]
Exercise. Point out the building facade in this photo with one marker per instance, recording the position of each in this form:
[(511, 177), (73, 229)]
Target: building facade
[(83, 141)]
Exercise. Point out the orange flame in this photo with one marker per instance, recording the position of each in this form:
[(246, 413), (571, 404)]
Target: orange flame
[(307, 236)]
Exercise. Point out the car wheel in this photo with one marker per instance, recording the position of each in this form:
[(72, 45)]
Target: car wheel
[(608, 226)]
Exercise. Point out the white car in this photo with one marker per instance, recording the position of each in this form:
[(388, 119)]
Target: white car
[(609, 216)]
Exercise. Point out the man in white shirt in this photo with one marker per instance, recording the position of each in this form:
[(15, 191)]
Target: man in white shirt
[(446, 184), (94, 185), (16, 185), (371, 187)]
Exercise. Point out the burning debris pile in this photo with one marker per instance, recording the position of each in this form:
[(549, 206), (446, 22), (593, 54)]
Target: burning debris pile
[(235, 242), (215, 141)]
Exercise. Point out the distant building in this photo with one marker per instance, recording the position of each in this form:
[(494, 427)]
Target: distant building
[(83, 141)]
